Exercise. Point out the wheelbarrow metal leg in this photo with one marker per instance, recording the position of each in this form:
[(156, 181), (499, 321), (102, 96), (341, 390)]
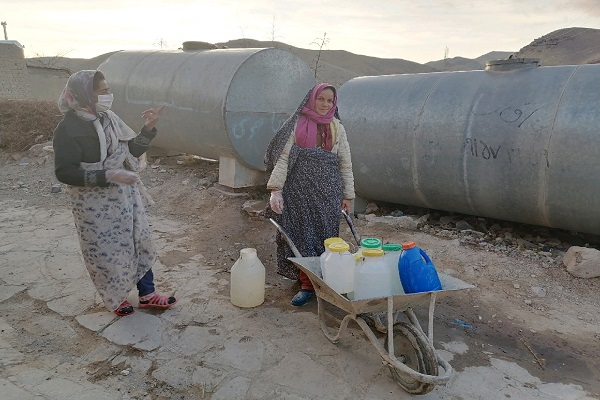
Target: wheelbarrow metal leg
[(390, 326), (430, 322), (413, 319), (326, 330)]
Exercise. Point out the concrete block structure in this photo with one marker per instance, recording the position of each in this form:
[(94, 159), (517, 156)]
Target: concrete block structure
[(14, 78)]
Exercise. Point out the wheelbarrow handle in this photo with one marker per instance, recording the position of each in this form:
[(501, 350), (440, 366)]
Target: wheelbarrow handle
[(352, 227), (287, 238)]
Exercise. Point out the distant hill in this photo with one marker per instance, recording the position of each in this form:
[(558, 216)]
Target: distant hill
[(468, 64), (339, 66), (70, 64), (569, 46), (562, 47), (456, 64)]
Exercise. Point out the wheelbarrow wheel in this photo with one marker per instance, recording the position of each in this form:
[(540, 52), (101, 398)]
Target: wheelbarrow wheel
[(412, 348)]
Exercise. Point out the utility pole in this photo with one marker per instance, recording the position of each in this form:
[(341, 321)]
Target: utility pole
[(4, 26)]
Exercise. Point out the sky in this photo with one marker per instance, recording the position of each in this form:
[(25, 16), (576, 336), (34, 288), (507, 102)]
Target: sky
[(415, 30)]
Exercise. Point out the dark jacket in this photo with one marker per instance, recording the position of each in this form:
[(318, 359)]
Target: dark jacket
[(76, 141)]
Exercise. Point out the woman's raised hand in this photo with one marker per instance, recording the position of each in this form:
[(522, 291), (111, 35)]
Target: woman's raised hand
[(151, 116)]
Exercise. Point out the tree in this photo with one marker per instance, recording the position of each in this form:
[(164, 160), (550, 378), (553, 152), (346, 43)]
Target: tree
[(56, 61), (274, 30), (321, 43), (160, 43), (446, 53)]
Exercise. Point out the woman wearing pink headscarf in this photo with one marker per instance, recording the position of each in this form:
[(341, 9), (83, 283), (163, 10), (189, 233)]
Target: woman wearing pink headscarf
[(311, 181)]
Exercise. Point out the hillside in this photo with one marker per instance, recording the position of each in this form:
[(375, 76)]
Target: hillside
[(70, 64), (339, 66), (335, 66), (569, 46), (468, 64), (456, 64), (562, 47)]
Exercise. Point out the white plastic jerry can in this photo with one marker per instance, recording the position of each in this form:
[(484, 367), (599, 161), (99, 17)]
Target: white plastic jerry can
[(372, 278), (247, 286), (324, 255), (340, 265)]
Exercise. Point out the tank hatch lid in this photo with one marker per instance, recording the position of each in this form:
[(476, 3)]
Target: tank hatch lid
[(512, 64)]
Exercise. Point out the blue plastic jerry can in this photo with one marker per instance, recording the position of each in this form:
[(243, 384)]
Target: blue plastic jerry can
[(417, 272)]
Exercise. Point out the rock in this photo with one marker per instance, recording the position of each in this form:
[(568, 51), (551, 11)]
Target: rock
[(38, 149), (422, 220), (553, 242), (482, 225), (208, 180), (371, 208), (463, 225), (538, 291), (397, 222), (582, 262), (447, 220), (526, 244), (254, 207)]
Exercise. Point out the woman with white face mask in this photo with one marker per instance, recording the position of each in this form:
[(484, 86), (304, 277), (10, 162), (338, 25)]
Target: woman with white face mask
[(98, 156)]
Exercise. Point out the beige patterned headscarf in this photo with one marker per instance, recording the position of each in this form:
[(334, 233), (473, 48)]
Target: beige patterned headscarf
[(78, 96)]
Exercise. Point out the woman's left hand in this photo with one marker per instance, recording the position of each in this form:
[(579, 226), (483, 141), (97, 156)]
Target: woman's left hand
[(151, 116), (347, 205)]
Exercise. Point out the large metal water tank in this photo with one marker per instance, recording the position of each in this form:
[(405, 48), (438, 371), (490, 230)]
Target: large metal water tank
[(222, 102), (520, 145)]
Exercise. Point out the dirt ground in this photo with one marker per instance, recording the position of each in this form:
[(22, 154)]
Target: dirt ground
[(526, 308)]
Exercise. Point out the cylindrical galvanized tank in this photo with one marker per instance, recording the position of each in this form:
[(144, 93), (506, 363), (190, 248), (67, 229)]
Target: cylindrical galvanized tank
[(223, 102), (521, 145)]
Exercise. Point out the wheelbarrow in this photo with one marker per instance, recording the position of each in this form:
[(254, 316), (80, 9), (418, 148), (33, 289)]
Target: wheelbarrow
[(406, 349)]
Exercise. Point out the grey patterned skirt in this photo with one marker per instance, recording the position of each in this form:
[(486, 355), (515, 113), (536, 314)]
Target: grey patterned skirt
[(312, 198)]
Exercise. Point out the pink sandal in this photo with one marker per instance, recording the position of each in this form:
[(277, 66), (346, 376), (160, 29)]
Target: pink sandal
[(124, 309), (155, 300)]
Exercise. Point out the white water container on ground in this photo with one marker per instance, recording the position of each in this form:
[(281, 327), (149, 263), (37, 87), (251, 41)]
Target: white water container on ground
[(391, 257), (324, 255), (340, 265), (372, 278), (247, 286)]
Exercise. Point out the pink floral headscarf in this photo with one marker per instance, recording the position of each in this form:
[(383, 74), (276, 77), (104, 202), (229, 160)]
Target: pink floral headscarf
[(306, 129)]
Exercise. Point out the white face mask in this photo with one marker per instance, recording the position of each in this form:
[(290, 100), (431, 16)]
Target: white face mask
[(104, 102)]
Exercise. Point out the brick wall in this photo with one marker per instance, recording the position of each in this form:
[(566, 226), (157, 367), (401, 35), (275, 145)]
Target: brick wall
[(14, 80), (47, 83)]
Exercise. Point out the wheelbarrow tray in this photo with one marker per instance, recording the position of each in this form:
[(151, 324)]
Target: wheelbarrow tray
[(402, 301)]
